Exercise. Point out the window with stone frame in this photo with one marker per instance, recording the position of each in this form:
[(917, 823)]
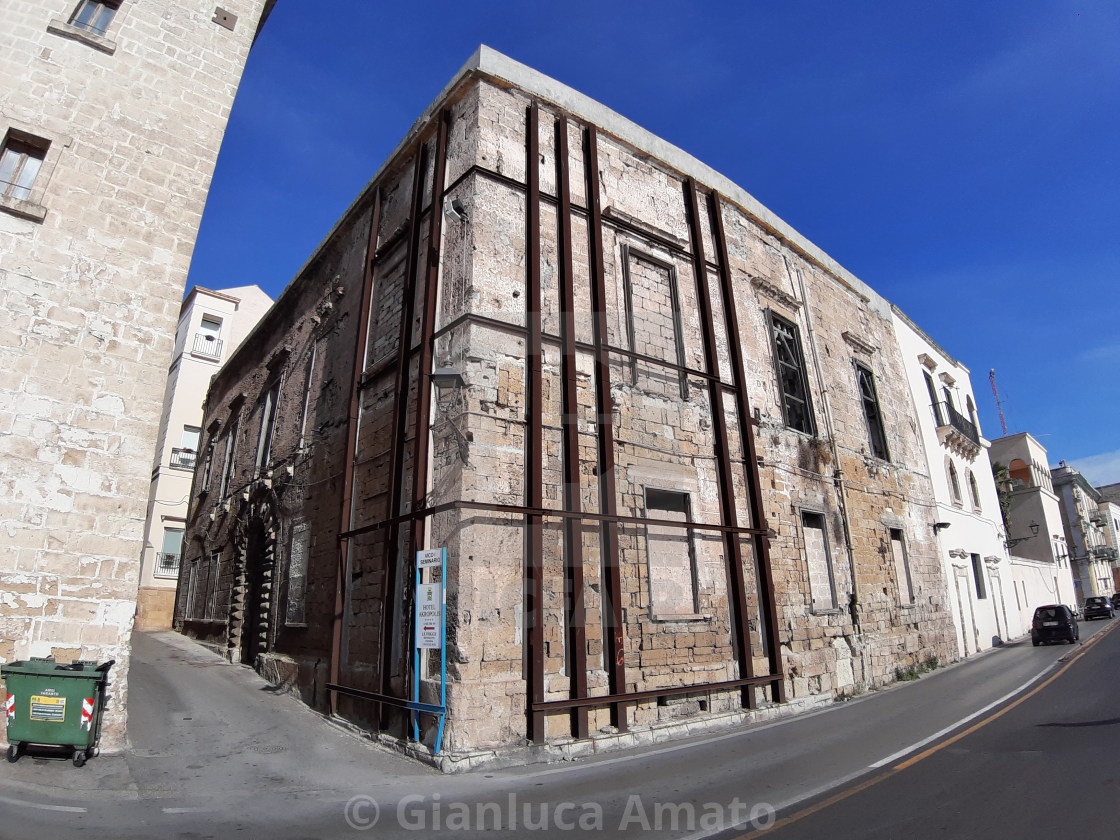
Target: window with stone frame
[(973, 491), (21, 158), (954, 482), (978, 577), (822, 585), (793, 384), (901, 567), (670, 556), (653, 323), (231, 453), (268, 427), (94, 15), (869, 397)]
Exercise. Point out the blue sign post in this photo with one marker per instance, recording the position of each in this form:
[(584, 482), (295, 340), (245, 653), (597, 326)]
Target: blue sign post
[(431, 634)]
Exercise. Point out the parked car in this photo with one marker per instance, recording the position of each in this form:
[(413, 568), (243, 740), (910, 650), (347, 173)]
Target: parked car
[(1054, 623), (1116, 601), (1098, 606)]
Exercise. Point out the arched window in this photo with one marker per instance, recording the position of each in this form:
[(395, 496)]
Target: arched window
[(973, 490), (954, 483), (1020, 474)]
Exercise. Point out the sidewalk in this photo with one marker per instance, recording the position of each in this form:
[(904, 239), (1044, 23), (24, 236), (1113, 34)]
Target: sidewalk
[(214, 747)]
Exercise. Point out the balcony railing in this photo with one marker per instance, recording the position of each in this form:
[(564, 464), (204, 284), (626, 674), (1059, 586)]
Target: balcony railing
[(167, 565), (946, 415), (183, 459), (1104, 552), (208, 346)]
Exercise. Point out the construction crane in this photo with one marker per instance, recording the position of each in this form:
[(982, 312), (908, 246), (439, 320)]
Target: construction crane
[(999, 403)]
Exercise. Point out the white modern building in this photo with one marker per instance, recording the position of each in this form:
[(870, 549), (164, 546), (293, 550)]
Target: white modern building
[(1040, 561), (986, 607), (212, 324)]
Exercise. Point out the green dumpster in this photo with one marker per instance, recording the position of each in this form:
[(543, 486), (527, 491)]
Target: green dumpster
[(54, 705)]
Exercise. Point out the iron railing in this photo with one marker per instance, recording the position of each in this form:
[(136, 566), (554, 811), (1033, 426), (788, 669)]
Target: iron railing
[(946, 415), (207, 345), (183, 459), (167, 565)]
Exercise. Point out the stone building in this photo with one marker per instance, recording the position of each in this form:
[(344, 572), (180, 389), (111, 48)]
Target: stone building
[(111, 116), (666, 441), (212, 325)]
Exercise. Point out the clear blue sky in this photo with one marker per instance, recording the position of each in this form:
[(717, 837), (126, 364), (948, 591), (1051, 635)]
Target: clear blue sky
[(962, 158)]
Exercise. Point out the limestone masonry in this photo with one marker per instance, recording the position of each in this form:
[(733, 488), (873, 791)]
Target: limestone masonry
[(667, 442), (111, 116)]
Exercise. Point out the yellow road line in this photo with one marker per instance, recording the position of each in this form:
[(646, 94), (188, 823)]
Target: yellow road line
[(910, 762)]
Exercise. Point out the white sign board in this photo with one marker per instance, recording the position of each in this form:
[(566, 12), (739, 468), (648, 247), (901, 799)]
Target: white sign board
[(429, 558), (429, 616)]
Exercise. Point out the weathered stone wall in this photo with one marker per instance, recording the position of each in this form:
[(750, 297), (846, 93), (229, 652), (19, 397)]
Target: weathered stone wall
[(92, 269), (677, 626)]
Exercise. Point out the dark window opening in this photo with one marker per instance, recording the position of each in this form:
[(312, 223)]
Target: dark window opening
[(978, 575), (792, 385), (95, 16), (870, 398)]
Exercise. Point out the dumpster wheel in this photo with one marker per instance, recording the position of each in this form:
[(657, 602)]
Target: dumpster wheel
[(79, 758), (13, 753)]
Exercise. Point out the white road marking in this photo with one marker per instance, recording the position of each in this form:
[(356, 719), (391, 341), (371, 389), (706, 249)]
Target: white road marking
[(69, 809)]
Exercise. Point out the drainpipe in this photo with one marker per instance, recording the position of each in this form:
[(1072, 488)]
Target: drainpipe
[(838, 473)]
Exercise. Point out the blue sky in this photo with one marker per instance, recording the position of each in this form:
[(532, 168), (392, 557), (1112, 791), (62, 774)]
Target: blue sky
[(962, 158)]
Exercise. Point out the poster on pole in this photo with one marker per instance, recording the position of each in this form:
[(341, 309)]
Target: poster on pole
[(429, 616)]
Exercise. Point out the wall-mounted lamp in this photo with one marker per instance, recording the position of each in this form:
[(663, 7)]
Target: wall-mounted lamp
[(940, 526), (449, 384), (455, 210), (1034, 526)]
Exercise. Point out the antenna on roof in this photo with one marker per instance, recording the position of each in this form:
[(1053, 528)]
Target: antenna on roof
[(999, 403)]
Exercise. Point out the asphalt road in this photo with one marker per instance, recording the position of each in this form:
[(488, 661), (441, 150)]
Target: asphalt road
[(1047, 767), (217, 754)]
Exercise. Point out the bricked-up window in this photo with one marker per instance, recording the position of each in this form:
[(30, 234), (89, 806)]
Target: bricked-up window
[(268, 427), (671, 556), (793, 386), (21, 158), (869, 396), (901, 567), (822, 588), (653, 322), (295, 611), (95, 16), (978, 577), (231, 451)]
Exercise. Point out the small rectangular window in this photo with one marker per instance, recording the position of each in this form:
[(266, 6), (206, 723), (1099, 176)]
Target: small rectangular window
[(869, 396), (94, 16), (978, 575), (901, 567), (167, 561), (21, 158), (822, 590), (670, 555), (793, 387)]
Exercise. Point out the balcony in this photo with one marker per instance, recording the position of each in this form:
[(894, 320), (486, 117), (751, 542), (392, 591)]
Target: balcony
[(1104, 553), (207, 346), (167, 565), (956, 431), (183, 459)]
